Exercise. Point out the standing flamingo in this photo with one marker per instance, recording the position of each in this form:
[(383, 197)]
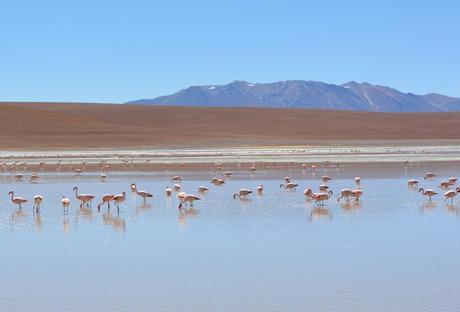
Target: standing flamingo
[(289, 186), (65, 204), (83, 198), (345, 194), (17, 200), (243, 193), (37, 202), (357, 194), (187, 198), (118, 199), (412, 183), (428, 192), (260, 189), (142, 194), (321, 197), (106, 199), (451, 194)]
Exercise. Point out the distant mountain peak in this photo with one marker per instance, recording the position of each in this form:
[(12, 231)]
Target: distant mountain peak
[(307, 94)]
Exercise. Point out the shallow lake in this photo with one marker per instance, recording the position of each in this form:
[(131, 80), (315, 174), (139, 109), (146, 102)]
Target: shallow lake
[(273, 252)]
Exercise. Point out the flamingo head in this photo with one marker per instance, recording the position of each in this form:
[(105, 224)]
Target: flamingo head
[(75, 188), (10, 193)]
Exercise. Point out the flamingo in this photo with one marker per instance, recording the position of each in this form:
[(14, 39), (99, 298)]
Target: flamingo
[(103, 176), (184, 198), (78, 171), (133, 187), (309, 193), (65, 204), (289, 186), (168, 191), (106, 199), (429, 175), (252, 169), (142, 194), (217, 181), (323, 188), (176, 179), (287, 179), (428, 192), (228, 173), (83, 198), (451, 194), (357, 194), (177, 187), (445, 184), (452, 180), (326, 178), (37, 202), (34, 177), (260, 189), (202, 189), (17, 200), (345, 194), (243, 193), (118, 199), (358, 180), (412, 183), (321, 197)]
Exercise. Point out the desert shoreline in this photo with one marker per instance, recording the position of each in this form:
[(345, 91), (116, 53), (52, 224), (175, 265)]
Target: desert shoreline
[(232, 158)]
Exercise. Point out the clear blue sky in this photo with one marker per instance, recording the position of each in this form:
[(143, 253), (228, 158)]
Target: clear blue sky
[(114, 51)]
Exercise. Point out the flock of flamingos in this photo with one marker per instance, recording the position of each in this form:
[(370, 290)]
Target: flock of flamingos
[(186, 200)]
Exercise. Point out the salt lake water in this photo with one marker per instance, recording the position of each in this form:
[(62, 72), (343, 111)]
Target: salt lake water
[(392, 251)]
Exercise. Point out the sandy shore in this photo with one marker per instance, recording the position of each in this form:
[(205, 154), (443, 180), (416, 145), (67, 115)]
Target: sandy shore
[(232, 158)]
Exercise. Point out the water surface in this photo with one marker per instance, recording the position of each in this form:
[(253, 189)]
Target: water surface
[(276, 252)]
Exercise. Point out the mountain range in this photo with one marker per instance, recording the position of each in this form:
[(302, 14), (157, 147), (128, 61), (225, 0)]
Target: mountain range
[(307, 94)]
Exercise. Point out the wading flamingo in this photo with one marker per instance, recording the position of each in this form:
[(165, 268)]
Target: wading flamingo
[(429, 175), (358, 180), (202, 189), (187, 198), (326, 178), (17, 200), (260, 189), (142, 194), (308, 193), (357, 194), (65, 204), (428, 192), (176, 179), (412, 183), (168, 191), (451, 194), (243, 193), (37, 202), (85, 199), (106, 199), (445, 184), (345, 194), (289, 186), (321, 197), (118, 199)]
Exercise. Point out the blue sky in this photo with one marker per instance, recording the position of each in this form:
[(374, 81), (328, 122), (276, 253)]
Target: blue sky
[(115, 51)]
